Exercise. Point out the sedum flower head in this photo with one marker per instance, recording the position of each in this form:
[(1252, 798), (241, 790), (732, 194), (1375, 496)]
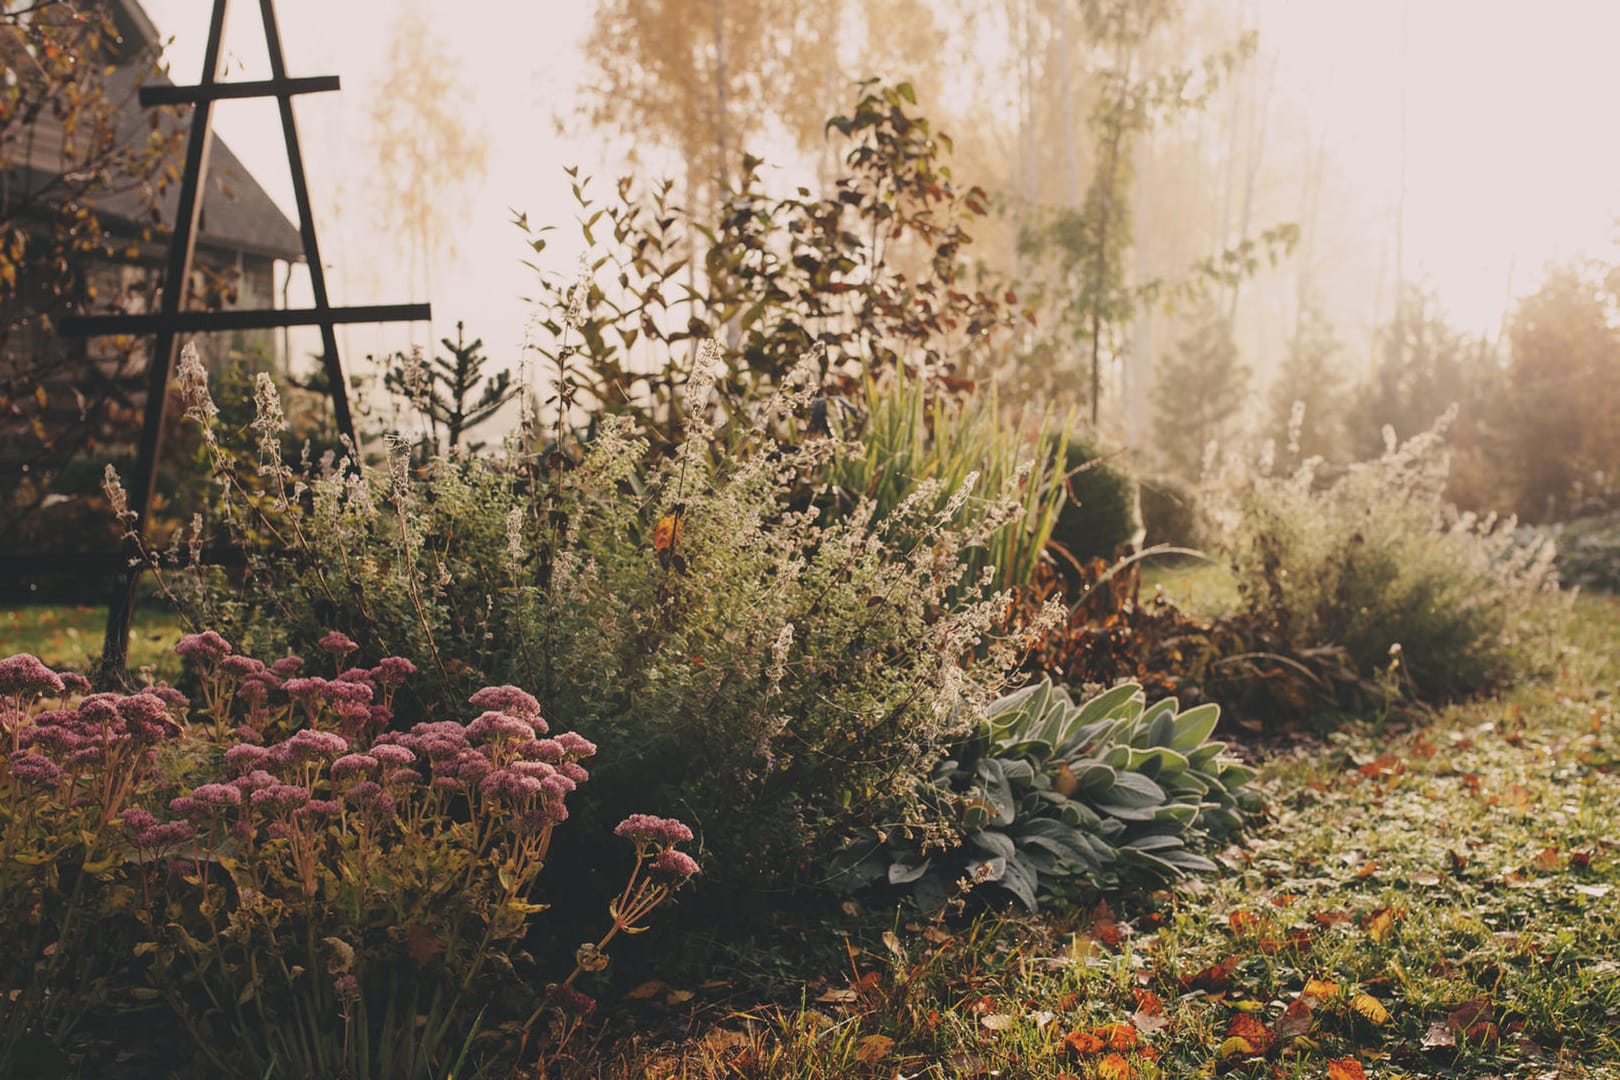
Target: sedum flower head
[(26, 675), (644, 829), (205, 647), (672, 869)]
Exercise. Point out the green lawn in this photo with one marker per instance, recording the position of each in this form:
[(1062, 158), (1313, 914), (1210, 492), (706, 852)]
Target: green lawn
[(68, 637), (1437, 899)]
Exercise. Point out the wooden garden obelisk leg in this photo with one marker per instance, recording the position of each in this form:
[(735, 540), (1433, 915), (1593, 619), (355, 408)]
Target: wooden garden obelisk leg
[(306, 229), (160, 362)]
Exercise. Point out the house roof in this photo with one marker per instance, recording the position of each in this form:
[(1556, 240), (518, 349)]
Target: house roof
[(237, 213)]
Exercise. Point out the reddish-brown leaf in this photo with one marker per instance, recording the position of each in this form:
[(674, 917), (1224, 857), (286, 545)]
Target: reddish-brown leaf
[(1242, 922), (1296, 1019), (1104, 927), (647, 990), (1213, 979)]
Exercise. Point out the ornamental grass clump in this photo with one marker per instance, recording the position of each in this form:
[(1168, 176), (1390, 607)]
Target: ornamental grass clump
[(305, 887)]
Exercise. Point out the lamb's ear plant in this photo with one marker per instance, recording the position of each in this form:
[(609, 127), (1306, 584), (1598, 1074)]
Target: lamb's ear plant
[(1049, 795)]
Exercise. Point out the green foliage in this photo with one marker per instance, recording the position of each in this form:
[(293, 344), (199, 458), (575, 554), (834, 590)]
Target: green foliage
[(876, 273), (1557, 450), (911, 432), (1378, 564), (1101, 513), (1171, 514), (1309, 397), (1389, 850), (1589, 552), (1047, 794), (441, 391), (1198, 391), (1425, 366)]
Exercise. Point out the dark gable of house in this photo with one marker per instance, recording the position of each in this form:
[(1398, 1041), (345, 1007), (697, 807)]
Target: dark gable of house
[(243, 232)]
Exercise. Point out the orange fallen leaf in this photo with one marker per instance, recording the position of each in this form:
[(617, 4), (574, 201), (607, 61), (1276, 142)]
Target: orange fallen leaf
[(1104, 927), (1082, 1043), (1370, 1007), (1117, 1036), (1379, 924), (1346, 1068), (1113, 1067), (667, 533), (1383, 765), (1547, 861), (1320, 989)]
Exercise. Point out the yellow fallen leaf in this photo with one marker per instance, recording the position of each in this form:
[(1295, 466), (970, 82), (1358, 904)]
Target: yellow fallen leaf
[(1370, 1007), (1321, 989), (1379, 926)]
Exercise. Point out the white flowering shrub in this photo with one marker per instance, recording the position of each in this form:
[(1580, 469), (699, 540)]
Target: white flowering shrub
[(770, 671), (1378, 563)]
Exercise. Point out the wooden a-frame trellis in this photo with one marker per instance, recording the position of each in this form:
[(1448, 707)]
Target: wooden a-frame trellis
[(172, 320)]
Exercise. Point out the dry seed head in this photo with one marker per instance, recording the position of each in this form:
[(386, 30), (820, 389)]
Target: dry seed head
[(191, 378)]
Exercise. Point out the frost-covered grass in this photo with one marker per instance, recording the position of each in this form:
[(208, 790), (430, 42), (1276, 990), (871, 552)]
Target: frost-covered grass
[(1439, 898)]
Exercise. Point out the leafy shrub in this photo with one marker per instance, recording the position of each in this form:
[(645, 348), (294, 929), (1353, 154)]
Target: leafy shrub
[(325, 896), (1047, 793), (878, 272), (1171, 514), (740, 656), (1589, 552), (1377, 563), (1101, 514)]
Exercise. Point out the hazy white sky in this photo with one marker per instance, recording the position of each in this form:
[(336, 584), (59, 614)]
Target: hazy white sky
[(1509, 161)]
